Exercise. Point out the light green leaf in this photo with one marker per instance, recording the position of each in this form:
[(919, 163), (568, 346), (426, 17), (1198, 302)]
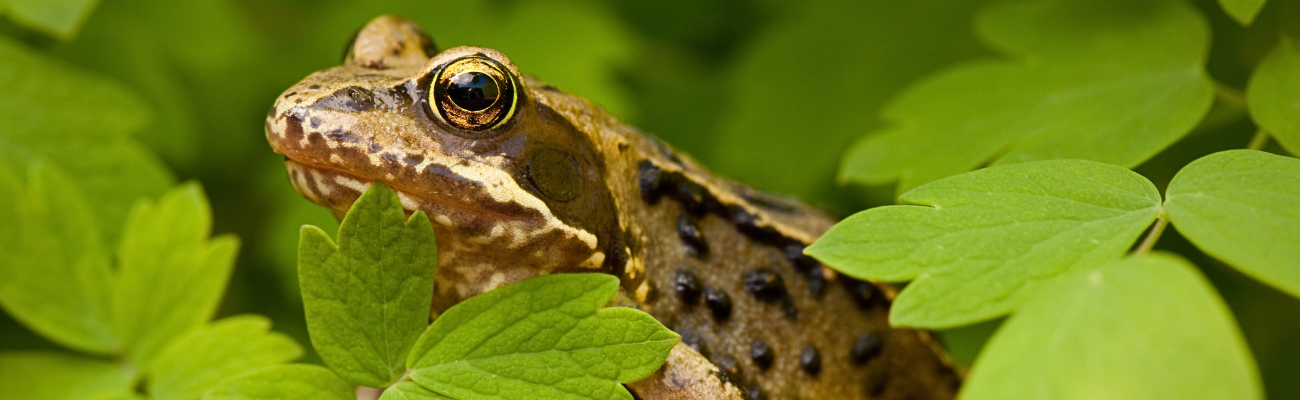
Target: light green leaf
[(1243, 11), (1274, 95), (407, 390), (367, 299), (788, 121), (59, 18), (1113, 81), (1243, 207), (59, 376), (54, 272), (987, 239), (1139, 328), (541, 338), (80, 122), (198, 360), (284, 382), (170, 275)]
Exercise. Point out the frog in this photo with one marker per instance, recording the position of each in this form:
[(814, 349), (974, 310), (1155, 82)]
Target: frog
[(519, 179)]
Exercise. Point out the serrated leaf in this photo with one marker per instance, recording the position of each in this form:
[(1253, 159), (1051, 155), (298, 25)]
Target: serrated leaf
[(367, 299), (59, 18), (1243, 11), (541, 338), (81, 122), (170, 275), (985, 240), (54, 271), (1243, 207), (1273, 95), (811, 83), (1112, 81), (284, 382), (58, 376), (407, 390), (1147, 327), (200, 359)]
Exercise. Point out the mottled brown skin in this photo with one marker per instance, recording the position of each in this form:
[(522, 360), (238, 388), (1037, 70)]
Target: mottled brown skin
[(497, 221)]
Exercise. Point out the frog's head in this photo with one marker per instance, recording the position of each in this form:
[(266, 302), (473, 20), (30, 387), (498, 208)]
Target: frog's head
[(512, 187)]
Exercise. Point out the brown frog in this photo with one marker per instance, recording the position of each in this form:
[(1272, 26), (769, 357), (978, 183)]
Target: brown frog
[(520, 179)]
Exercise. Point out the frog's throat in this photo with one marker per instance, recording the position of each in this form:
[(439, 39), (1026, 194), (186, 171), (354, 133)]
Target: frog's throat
[(471, 216)]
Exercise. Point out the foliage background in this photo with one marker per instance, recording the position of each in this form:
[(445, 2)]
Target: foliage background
[(768, 92)]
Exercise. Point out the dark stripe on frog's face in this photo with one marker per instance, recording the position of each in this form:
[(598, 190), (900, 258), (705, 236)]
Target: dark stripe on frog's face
[(521, 198)]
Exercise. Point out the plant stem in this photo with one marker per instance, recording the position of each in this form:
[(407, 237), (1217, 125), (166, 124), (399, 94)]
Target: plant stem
[(1153, 235), (1260, 139), (1230, 96)]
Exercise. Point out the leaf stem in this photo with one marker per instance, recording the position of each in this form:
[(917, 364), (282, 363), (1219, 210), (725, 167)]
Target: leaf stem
[(1230, 96), (1260, 139), (1153, 235)]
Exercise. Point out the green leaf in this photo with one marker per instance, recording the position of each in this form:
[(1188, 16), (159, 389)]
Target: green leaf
[(782, 139), (1243, 207), (80, 122), (170, 276), (59, 376), (367, 299), (54, 272), (541, 338), (1274, 95), (987, 239), (198, 360), (1243, 11), (59, 18), (1139, 328), (407, 390), (284, 382), (1113, 81)]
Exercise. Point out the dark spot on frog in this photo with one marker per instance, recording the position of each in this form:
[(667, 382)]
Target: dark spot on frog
[(801, 261), (811, 360), (691, 236), (414, 159), (764, 284), (876, 382), (622, 147), (690, 338), (375, 147), (761, 354), (292, 129), (754, 392), (315, 122), (727, 364), (287, 95), (816, 282), (687, 285), (314, 87), (866, 347), (650, 178), (862, 292), (719, 303)]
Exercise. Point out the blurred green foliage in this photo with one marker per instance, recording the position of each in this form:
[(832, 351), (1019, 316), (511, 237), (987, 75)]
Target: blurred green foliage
[(771, 93)]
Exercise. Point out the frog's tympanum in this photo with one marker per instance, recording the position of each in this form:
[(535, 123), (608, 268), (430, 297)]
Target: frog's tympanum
[(520, 179)]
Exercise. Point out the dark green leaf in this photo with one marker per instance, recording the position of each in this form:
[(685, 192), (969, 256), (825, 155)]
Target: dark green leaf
[(1243, 207), (58, 376), (542, 338), (54, 271), (1274, 95), (987, 239), (198, 360), (368, 298), (1243, 11), (284, 382), (170, 274), (1114, 81), (1139, 328)]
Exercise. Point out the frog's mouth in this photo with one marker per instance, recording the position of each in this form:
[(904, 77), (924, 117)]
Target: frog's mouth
[(337, 190)]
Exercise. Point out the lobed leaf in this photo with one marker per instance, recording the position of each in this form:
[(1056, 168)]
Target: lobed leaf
[(59, 18), (1243, 11), (284, 382), (977, 245), (1147, 327), (59, 376), (200, 359), (542, 338), (367, 299), (1243, 207), (1273, 95), (170, 276), (1112, 81), (54, 273)]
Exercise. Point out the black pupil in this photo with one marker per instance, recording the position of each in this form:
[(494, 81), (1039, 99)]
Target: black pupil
[(473, 91)]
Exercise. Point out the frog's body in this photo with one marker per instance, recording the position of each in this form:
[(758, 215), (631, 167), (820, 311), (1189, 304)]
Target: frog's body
[(543, 182)]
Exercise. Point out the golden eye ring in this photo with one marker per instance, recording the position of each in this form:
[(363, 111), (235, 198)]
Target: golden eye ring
[(474, 93)]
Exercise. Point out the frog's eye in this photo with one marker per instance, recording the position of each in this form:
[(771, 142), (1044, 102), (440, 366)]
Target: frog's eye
[(474, 93)]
